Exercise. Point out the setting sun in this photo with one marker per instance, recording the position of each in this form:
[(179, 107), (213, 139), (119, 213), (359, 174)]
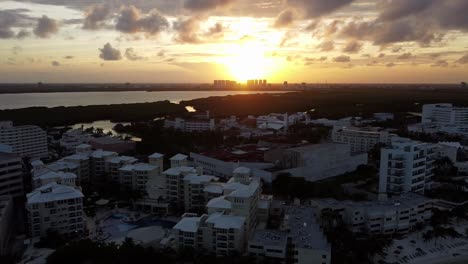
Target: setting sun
[(249, 61)]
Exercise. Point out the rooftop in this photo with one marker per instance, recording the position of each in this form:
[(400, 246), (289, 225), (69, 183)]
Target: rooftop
[(179, 170), (226, 221), (220, 203), (198, 179), (98, 154), (156, 156), (53, 192), (304, 229), (138, 167), (188, 224), (213, 188), (106, 140), (270, 238), (246, 153), (179, 157)]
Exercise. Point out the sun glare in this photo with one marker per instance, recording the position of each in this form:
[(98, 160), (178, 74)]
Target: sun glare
[(248, 61)]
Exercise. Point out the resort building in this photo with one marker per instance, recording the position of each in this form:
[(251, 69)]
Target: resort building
[(63, 178), (359, 139), (157, 159), (190, 125), (316, 162), (11, 175), (55, 207), (7, 225), (136, 176), (99, 163), (406, 166), (114, 165), (26, 141), (217, 234), (444, 118), (397, 215)]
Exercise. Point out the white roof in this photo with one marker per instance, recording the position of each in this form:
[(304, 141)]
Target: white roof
[(219, 202), (232, 186), (242, 170), (198, 179), (54, 175), (247, 191), (226, 221), (102, 153), (179, 157), (138, 167), (119, 159), (83, 146), (213, 188), (76, 157), (188, 224), (156, 155), (53, 192), (179, 170), (37, 163)]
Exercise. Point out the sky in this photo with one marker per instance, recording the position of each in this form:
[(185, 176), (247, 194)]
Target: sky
[(198, 41)]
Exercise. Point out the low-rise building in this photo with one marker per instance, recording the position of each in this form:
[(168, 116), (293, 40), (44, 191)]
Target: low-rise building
[(316, 162), (64, 178), (112, 144), (359, 139), (55, 207), (190, 125), (397, 215)]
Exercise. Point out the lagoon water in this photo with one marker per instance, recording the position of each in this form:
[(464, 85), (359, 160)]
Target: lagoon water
[(15, 101)]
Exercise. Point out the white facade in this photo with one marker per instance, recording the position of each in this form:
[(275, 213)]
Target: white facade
[(443, 118), (316, 162), (406, 166), (63, 178), (26, 141), (397, 215), (55, 207), (11, 175), (6, 223), (360, 140), (191, 125), (136, 176), (73, 138), (218, 234)]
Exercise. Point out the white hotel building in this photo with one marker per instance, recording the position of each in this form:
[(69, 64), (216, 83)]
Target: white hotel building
[(443, 118), (55, 207), (359, 139), (190, 125), (406, 166), (26, 141), (397, 215)]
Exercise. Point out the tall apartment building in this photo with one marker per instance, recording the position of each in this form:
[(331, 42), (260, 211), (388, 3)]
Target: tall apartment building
[(7, 224), (445, 114), (398, 215), (99, 163), (26, 141), (359, 139), (114, 165), (55, 207), (11, 175), (406, 166)]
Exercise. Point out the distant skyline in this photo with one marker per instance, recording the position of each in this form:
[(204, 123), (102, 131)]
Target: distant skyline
[(160, 41)]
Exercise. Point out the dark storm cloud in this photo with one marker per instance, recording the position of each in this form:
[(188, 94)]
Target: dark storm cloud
[(95, 16), (131, 54), (109, 53), (55, 63), (206, 5), (463, 60), (187, 30), (400, 8), (45, 27), (327, 45), (284, 19), (352, 46), (131, 21), (12, 18), (405, 56), (342, 58), (317, 8)]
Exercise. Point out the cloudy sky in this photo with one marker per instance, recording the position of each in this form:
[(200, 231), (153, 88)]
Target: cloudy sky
[(318, 41)]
